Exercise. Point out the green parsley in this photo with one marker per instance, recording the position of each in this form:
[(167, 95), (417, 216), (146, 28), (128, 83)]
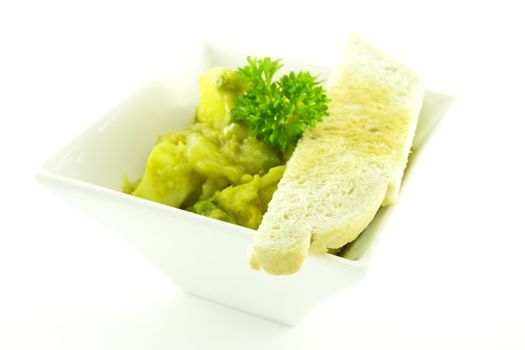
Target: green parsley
[(277, 112)]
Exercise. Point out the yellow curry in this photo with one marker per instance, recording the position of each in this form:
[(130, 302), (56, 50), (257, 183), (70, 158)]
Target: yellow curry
[(213, 167)]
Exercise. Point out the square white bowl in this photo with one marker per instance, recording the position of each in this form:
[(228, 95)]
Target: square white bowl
[(202, 256)]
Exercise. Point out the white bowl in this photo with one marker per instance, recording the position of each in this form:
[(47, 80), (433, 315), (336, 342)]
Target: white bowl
[(202, 256)]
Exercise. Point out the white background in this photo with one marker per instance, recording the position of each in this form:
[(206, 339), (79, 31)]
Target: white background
[(451, 277)]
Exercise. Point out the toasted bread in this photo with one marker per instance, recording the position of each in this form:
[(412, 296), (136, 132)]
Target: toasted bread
[(345, 167)]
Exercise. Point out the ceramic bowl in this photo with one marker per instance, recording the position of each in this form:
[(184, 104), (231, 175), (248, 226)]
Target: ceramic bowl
[(202, 256)]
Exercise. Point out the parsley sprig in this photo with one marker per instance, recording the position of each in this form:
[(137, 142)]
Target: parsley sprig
[(277, 112)]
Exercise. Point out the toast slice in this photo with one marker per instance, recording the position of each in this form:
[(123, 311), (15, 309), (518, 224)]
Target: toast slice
[(347, 166)]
